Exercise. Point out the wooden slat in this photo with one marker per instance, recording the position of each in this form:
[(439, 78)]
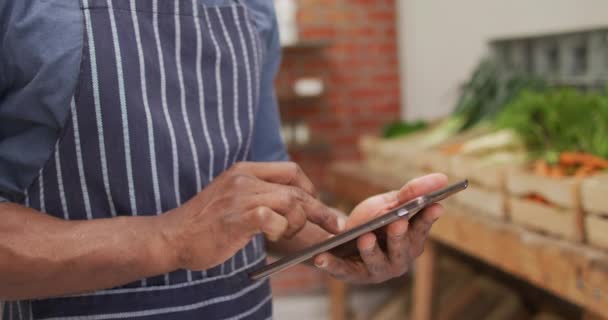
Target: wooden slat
[(424, 284), (594, 194), (555, 221), (597, 230), (575, 272), (484, 201), (466, 167), (337, 296), (557, 191)]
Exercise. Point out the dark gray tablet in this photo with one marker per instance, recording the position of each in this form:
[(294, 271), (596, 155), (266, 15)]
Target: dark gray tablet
[(344, 243)]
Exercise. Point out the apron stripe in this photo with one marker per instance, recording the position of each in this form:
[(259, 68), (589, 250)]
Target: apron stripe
[(245, 58), (19, 310), (220, 111), (218, 80), (149, 124), (64, 205), (226, 299), (254, 49), (182, 93), (123, 109), (201, 92), (124, 115), (224, 277), (41, 186), (235, 86), (182, 96), (97, 102), (245, 52), (80, 162), (255, 308), (218, 278), (163, 93)]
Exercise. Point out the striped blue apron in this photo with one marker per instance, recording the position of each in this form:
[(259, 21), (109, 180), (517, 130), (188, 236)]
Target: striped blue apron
[(166, 99)]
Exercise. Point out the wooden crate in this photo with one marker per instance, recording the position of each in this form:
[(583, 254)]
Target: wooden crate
[(433, 160), (563, 216), (562, 192), (597, 230), (552, 220), (391, 156), (482, 200), (594, 195), (467, 167)]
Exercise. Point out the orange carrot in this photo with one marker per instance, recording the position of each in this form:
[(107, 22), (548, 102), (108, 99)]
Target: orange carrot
[(584, 171), (541, 168), (583, 159), (451, 148), (557, 171)]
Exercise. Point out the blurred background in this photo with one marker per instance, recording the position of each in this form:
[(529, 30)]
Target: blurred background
[(510, 94)]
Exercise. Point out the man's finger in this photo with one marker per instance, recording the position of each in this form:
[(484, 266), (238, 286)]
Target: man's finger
[(285, 173), (286, 199), (339, 268), (267, 221), (397, 243), (420, 228), (421, 186), (375, 260)]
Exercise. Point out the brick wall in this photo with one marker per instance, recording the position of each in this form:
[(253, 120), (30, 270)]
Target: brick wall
[(363, 83), (359, 67)]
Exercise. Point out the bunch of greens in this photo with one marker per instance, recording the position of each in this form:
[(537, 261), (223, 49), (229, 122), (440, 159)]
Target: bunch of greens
[(488, 91), (398, 129), (559, 120)]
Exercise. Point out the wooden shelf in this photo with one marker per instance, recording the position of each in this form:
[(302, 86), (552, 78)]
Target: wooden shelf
[(574, 272)]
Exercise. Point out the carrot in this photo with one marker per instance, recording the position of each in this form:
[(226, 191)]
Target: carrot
[(537, 198), (583, 159), (451, 148), (541, 168), (557, 171), (584, 171)]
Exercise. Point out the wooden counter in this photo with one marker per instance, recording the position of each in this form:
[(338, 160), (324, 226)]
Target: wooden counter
[(574, 272)]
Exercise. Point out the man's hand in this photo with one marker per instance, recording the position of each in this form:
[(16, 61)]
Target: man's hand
[(276, 199), (405, 242)]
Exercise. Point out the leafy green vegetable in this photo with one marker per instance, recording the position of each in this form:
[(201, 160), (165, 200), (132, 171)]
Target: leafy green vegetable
[(559, 120), (398, 129), (489, 90)]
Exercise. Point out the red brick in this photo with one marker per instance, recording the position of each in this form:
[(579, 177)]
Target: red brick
[(322, 32)]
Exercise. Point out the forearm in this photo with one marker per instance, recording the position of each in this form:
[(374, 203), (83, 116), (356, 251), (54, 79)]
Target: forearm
[(42, 256)]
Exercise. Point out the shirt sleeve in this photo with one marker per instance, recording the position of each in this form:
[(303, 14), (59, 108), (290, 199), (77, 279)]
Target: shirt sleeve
[(267, 144), (40, 53)]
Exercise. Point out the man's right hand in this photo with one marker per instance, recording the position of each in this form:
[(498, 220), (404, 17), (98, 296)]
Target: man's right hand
[(276, 199)]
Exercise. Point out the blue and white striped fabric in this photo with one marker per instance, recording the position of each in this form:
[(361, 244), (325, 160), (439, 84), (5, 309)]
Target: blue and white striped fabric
[(166, 100)]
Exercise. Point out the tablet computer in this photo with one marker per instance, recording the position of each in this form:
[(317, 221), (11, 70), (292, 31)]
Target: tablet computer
[(345, 243)]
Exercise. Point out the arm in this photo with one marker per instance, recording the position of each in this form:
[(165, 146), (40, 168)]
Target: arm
[(45, 256)]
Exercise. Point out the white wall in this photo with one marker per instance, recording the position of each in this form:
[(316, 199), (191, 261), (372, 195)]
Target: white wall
[(441, 41)]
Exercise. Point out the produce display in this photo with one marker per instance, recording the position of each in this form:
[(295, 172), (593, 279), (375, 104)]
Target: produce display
[(535, 155), (565, 129)]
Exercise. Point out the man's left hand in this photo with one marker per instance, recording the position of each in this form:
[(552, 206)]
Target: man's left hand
[(405, 242)]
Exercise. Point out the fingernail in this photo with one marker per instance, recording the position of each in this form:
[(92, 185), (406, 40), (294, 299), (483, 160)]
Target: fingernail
[(341, 223), (321, 263), (371, 246)]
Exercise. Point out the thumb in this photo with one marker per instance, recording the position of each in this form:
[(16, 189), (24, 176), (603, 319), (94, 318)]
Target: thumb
[(421, 186)]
